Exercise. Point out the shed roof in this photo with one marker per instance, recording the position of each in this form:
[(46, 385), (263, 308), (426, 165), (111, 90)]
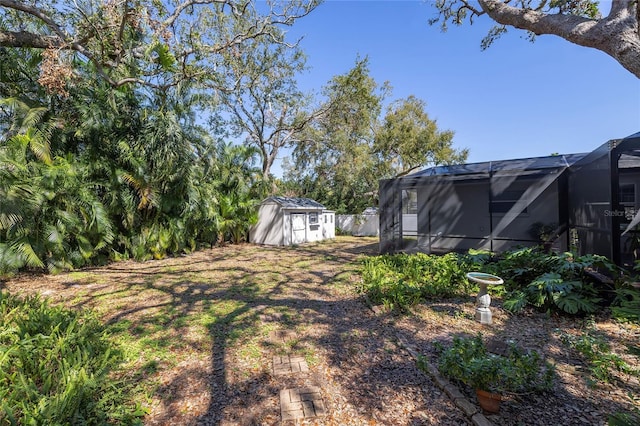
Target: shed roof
[(524, 164), (296, 203)]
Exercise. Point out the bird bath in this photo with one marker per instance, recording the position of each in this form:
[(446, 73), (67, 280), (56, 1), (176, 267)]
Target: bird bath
[(483, 313)]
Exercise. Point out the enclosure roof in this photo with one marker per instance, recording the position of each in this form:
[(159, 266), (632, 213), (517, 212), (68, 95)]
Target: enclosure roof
[(524, 164), (630, 145), (296, 203)]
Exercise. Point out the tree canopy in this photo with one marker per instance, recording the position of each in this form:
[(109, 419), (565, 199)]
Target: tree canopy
[(333, 163), (348, 147), (151, 43), (104, 153), (101, 173), (409, 139), (587, 23), (264, 105)]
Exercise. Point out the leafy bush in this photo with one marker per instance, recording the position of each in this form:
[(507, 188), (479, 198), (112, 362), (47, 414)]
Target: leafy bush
[(55, 365), (551, 291), (138, 182), (547, 281), (469, 362), (626, 305), (402, 280), (476, 260)]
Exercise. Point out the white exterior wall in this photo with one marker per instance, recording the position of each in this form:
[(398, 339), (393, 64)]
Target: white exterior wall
[(286, 228), (409, 224), (311, 232), (270, 228)]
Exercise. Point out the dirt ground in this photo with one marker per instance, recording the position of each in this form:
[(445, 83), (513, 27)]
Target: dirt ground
[(201, 333)]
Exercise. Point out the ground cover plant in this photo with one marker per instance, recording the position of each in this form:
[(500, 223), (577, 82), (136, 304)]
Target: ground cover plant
[(135, 191), (596, 351), (546, 281), (550, 283), (56, 367)]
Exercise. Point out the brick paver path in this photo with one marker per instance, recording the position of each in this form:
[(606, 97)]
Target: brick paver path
[(301, 403), (289, 364)]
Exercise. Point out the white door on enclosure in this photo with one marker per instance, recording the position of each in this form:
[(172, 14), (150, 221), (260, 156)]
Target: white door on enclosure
[(298, 228)]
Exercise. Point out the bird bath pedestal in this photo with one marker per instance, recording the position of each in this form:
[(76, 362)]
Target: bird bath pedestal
[(483, 313)]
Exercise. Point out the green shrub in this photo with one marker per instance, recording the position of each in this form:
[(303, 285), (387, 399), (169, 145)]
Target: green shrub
[(626, 305), (400, 281), (550, 282), (477, 260), (469, 362), (552, 292), (55, 365)]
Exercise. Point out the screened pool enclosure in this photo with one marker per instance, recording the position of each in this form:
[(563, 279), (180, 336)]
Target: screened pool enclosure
[(586, 202)]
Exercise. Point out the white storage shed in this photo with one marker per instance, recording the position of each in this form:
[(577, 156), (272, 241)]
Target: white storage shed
[(283, 221)]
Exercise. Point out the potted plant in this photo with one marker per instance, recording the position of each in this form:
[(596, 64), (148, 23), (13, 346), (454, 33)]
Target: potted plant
[(491, 375), (545, 233)]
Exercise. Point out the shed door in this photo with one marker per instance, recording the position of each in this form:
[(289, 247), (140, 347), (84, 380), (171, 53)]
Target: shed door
[(298, 228)]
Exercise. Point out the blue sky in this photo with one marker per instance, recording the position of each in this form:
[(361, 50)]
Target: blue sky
[(517, 99)]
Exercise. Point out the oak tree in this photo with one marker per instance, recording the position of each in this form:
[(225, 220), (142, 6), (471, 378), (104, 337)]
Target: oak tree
[(349, 147), (264, 104)]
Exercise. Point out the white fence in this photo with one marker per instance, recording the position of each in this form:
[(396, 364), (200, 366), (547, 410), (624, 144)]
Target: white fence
[(368, 225), (360, 225)]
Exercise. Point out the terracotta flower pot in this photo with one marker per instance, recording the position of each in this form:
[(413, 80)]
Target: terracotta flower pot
[(489, 402)]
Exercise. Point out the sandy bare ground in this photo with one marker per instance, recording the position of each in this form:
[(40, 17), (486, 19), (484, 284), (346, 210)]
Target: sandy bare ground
[(199, 333)]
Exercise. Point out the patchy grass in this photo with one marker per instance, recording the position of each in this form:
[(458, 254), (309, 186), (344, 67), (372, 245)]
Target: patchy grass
[(198, 311)]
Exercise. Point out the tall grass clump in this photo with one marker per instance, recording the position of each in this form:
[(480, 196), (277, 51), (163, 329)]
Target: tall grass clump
[(400, 281), (55, 367)]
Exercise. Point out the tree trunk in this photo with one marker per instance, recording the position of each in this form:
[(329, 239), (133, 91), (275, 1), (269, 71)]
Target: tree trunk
[(267, 162)]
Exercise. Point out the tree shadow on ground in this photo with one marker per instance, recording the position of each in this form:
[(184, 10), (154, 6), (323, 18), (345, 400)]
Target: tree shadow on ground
[(209, 315), (337, 333)]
